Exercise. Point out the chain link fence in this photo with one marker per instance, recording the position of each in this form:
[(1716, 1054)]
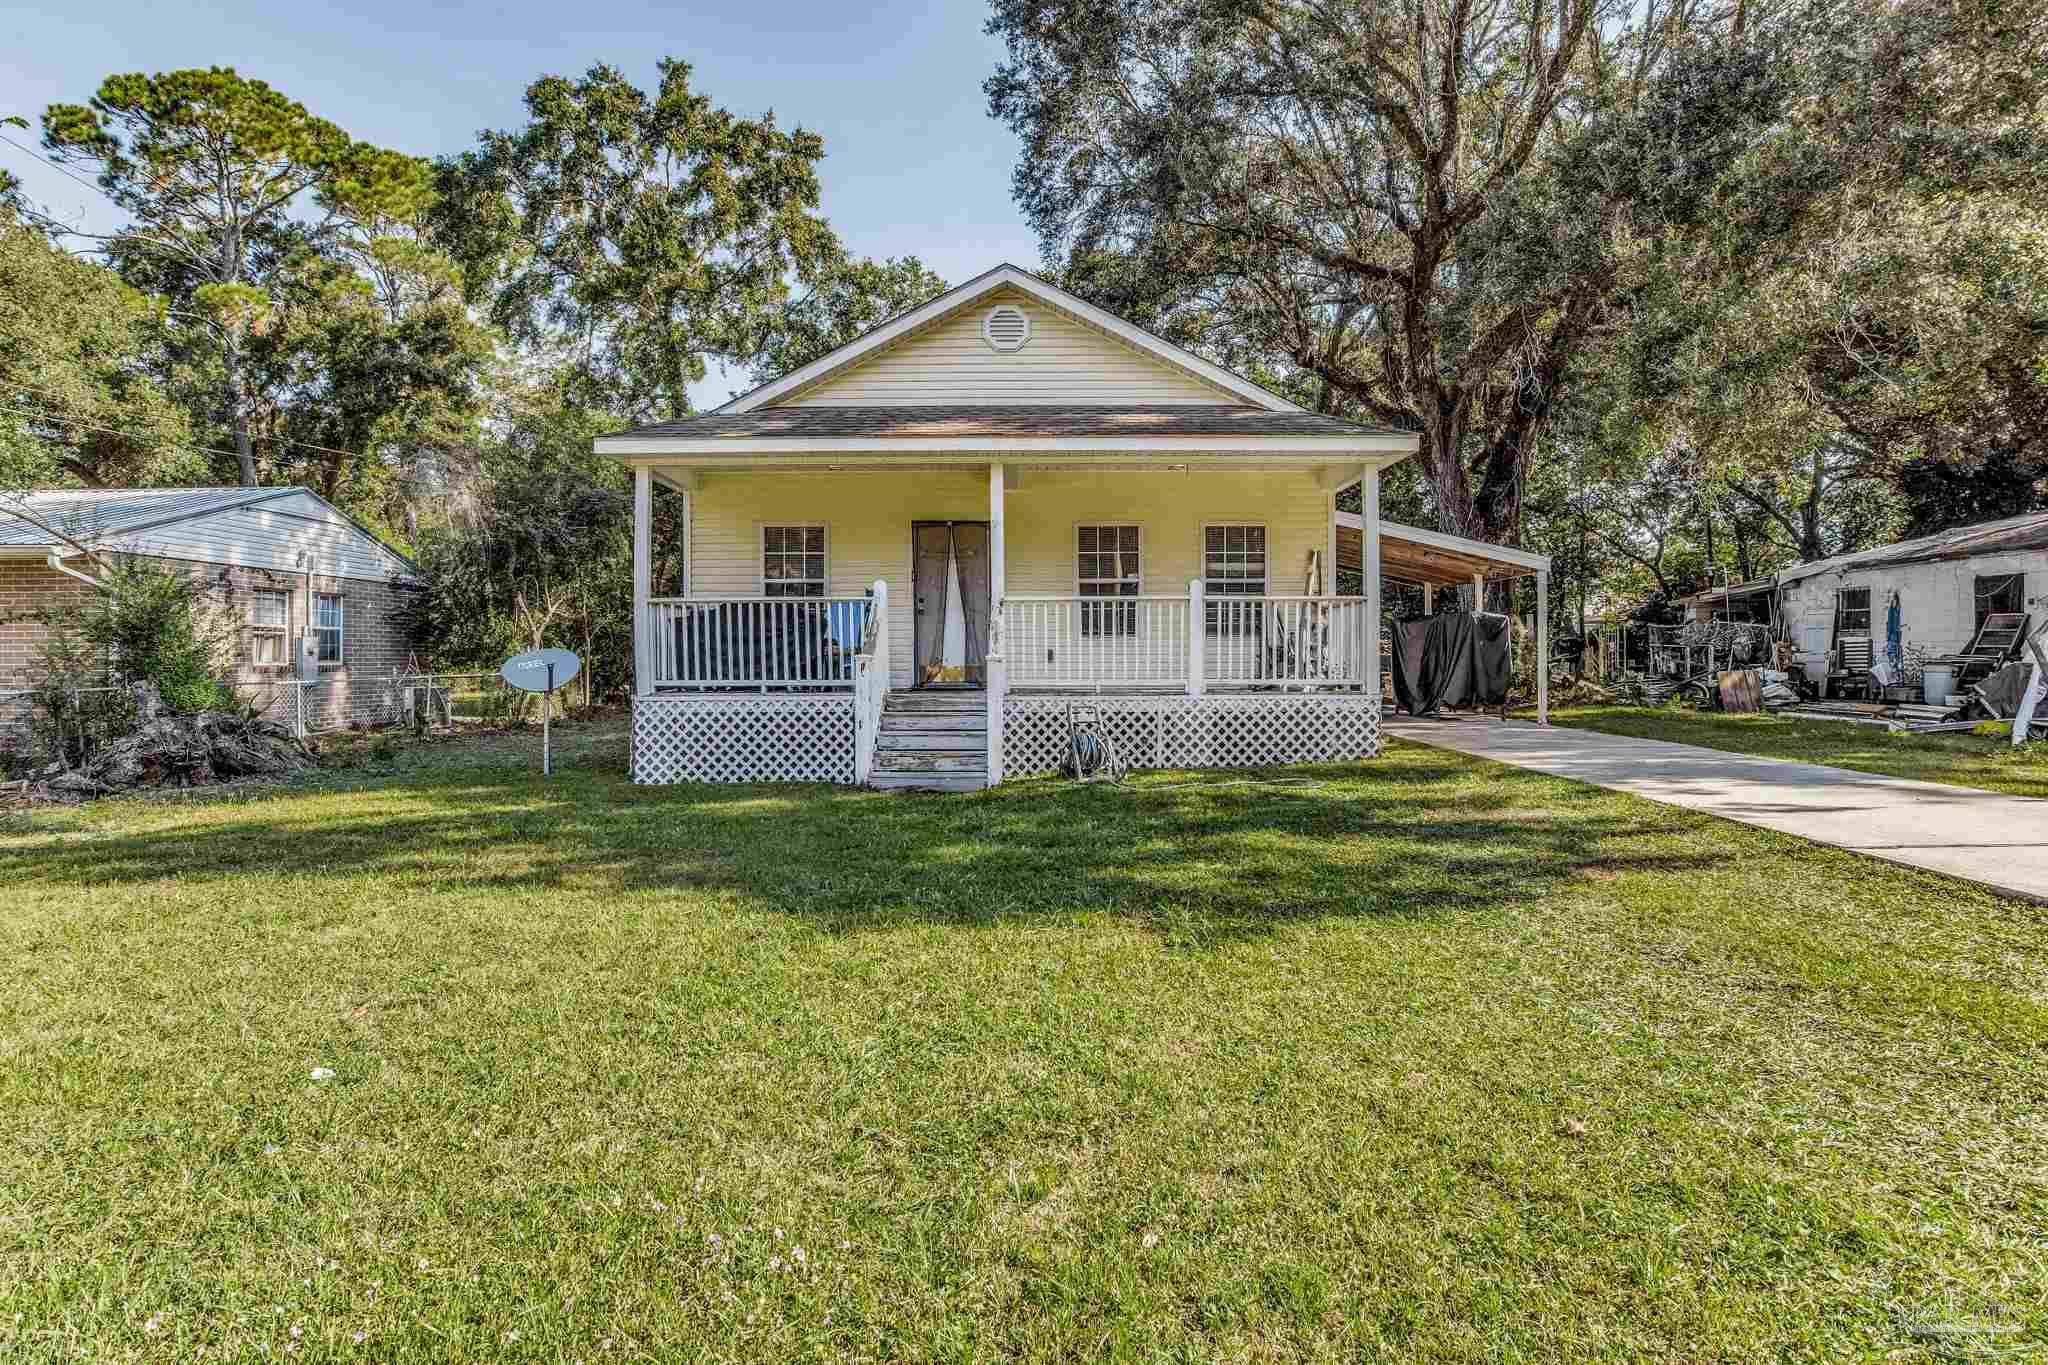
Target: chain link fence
[(51, 724), (445, 702)]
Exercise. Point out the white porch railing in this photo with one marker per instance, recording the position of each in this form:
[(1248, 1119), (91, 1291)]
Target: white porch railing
[(756, 642), (1191, 641), (870, 682), (1284, 641), (1091, 641)]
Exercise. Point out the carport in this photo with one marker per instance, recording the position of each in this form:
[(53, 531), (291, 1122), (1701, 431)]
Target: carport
[(1435, 559)]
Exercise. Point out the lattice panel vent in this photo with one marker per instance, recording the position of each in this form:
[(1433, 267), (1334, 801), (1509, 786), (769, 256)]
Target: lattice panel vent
[(743, 739), (1198, 732)]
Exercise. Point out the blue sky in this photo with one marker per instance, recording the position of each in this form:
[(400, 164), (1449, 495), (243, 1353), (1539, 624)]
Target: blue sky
[(913, 162)]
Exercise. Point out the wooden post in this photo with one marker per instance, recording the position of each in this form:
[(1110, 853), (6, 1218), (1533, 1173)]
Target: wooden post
[(1479, 592), (1369, 523), (643, 575), (1429, 599), (1543, 647), (1198, 629), (997, 666)]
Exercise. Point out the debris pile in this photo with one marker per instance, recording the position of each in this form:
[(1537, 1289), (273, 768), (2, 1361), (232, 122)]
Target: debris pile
[(167, 750)]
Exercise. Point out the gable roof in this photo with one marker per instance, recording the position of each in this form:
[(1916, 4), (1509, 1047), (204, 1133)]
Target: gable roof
[(111, 518), (1003, 277), (2005, 536)]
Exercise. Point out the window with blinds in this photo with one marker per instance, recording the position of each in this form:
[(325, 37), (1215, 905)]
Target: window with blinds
[(1233, 566)]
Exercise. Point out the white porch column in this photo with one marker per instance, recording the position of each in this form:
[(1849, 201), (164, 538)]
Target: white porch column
[(1369, 523), (643, 577), (1543, 647), (1198, 630), (997, 666)]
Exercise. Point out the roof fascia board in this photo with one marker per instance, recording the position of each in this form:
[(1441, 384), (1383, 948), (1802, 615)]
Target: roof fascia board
[(1001, 277), (744, 450), (1443, 540)]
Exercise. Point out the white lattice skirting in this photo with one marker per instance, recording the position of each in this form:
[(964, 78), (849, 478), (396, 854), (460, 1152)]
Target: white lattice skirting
[(1198, 732), (743, 739)]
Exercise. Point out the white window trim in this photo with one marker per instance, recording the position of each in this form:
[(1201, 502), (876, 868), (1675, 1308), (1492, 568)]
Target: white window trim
[(1212, 623), (1074, 544), (761, 551), (1202, 550), (340, 629), (257, 595)]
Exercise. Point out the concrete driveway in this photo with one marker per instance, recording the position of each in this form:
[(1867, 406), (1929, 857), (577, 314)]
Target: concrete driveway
[(1988, 837)]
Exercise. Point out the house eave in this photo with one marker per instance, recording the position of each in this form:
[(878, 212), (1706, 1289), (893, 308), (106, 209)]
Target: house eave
[(1382, 450)]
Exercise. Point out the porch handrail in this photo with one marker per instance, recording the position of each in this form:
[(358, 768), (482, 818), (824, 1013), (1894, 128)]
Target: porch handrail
[(727, 641), (1202, 637), (871, 682)]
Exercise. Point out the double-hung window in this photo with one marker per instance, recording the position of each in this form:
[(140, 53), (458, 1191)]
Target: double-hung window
[(793, 561), (1106, 560), (1233, 567), (1852, 611), (268, 616), (327, 625)]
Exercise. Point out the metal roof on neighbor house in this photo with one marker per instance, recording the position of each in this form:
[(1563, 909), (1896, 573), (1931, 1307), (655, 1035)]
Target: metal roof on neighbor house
[(1749, 589), (999, 420), (91, 514), (2013, 534)]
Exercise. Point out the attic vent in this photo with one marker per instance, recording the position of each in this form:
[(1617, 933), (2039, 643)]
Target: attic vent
[(1006, 328)]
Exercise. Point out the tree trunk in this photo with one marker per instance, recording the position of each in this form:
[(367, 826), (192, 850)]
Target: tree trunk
[(245, 449), (1811, 546)]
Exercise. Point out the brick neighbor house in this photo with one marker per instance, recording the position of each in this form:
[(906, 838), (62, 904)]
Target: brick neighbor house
[(313, 595)]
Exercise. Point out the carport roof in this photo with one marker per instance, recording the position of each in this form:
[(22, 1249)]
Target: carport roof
[(1410, 554)]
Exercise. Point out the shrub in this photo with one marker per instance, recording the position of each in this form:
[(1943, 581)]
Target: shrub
[(145, 624)]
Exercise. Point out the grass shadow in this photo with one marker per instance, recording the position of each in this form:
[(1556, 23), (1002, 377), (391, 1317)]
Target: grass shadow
[(1201, 857)]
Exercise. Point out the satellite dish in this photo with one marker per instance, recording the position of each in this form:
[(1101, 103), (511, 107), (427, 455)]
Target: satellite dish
[(540, 670)]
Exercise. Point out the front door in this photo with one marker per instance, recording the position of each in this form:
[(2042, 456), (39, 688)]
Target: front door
[(950, 571)]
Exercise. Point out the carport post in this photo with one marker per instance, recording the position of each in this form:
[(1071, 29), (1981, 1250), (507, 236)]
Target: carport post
[(1369, 553), (1429, 599), (643, 579), (1479, 592), (1543, 646)]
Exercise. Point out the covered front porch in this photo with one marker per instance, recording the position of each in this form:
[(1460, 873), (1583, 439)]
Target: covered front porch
[(1190, 599), (1191, 604)]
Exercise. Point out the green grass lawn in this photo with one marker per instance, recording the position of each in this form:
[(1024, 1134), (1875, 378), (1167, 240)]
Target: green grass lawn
[(1434, 1060), (1960, 759)]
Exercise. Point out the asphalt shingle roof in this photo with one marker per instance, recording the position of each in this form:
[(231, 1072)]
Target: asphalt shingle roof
[(996, 420)]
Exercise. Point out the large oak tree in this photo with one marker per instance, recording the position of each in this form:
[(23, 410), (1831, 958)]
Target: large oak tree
[(1434, 213)]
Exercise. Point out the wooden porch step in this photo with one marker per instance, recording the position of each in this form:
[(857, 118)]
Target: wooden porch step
[(929, 782), (890, 740), (935, 723), (931, 761), (935, 703)]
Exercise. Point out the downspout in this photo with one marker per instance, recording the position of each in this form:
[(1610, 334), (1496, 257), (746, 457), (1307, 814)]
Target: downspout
[(55, 560)]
